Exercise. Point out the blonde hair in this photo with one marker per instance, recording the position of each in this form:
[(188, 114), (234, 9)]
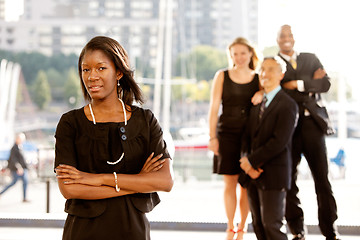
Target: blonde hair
[(243, 41)]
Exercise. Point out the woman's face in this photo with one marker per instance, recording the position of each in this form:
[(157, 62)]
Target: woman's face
[(99, 75), (240, 55)]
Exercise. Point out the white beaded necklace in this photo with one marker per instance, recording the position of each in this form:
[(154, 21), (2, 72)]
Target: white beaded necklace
[(93, 118)]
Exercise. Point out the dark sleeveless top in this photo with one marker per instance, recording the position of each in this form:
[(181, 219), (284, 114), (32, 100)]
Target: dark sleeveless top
[(236, 103)]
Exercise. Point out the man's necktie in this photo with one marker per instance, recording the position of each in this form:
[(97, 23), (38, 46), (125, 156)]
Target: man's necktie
[(262, 107), (293, 63)]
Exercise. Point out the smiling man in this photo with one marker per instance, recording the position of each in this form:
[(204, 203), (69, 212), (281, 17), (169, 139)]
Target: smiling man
[(304, 81), (268, 162)]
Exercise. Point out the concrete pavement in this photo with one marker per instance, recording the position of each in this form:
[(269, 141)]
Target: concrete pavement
[(194, 204)]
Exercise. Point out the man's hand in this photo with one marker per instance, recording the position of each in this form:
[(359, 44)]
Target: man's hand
[(248, 169), (319, 73), (291, 85)]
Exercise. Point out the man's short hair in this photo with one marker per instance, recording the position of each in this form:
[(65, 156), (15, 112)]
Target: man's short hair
[(279, 61)]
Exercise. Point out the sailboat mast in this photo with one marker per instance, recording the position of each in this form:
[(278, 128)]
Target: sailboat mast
[(159, 59), (167, 65)]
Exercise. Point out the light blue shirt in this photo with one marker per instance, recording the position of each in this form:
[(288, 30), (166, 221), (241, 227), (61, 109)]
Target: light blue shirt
[(270, 95)]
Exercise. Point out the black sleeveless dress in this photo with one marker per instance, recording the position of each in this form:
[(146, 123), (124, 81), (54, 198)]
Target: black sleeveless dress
[(236, 104)]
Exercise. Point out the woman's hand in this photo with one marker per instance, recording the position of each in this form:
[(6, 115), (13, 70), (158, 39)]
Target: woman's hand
[(153, 164), (258, 97), (71, 175), (214, 145)]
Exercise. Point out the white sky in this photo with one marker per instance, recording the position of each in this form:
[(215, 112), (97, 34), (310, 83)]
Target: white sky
[(13, 8), (328, 28)]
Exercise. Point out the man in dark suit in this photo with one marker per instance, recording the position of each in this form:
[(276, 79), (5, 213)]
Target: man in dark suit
[(17, 166), (271, 125), (304, 80)]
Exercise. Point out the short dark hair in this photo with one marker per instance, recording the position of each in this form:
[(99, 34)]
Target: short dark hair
[(128, 89)]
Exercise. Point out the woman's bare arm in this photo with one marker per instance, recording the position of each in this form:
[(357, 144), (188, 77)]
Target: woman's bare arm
[(215, 101), (156, 175)]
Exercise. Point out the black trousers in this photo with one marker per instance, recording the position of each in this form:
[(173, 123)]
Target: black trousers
[(310, 141), (267, 211)]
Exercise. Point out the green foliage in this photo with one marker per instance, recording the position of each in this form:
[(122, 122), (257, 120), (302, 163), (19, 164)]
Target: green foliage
[(143, 68), (198, 92), (72, 88), (202, 63), (54, 66), (41, 90), (270, 51), (32, 62), (57, 82)]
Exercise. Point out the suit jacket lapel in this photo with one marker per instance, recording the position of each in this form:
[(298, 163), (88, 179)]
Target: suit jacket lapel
[(299, 61), (271, 106), (289, 66)]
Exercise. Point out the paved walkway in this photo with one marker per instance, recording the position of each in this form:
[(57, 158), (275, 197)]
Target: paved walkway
[(194, 202), (55, 234)]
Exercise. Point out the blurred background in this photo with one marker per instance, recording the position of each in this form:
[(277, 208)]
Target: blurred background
[(175, 48)]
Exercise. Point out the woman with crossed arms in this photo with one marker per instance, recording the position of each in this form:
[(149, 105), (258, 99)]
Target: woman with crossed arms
[(105, 151)]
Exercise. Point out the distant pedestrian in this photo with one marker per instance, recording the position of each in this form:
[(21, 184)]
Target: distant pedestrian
[(17, 165)]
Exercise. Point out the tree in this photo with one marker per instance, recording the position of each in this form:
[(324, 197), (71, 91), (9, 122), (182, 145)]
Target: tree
[(41, 90), (270, 51), (72, 88), (203, 62), (56, 82), (32, 62), (196, 92)]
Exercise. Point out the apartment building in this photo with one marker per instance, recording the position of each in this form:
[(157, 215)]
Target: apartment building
[(64, 26)]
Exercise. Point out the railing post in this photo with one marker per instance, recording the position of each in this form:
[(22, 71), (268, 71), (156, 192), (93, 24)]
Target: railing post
[(47, 195)]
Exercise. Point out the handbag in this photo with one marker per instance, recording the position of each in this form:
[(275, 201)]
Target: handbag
[(321, 117)]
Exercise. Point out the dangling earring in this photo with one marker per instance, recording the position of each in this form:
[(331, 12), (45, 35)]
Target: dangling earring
[(118, 88)]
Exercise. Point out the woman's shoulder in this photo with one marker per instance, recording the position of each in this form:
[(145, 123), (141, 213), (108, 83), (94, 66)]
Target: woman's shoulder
[(73, 115), (224, 71), (69, 121), (73, 112), (221, 72), (141, 112), (220, 75), (144, 116)]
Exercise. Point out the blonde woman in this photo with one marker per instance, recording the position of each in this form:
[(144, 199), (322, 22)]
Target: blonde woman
[(234, 89)]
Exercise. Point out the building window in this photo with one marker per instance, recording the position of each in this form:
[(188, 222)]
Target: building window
[(10, 30), (10, 41)]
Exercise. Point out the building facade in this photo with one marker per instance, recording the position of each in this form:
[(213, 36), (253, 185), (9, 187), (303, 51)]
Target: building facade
[(64, 26), (2, 9)]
